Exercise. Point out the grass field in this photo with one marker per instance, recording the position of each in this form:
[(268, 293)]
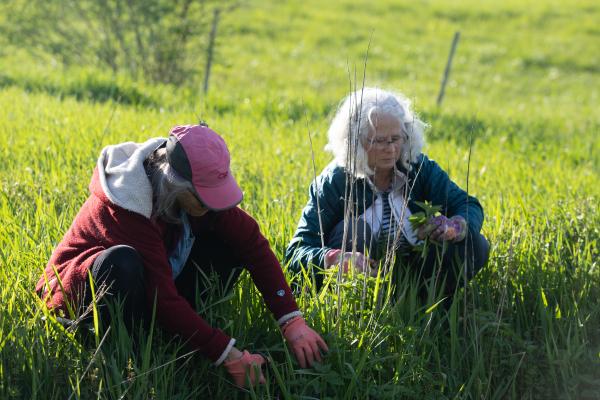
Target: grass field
[(524, 91)]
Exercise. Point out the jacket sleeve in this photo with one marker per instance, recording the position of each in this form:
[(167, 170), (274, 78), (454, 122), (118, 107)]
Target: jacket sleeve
[(306, 249), (242, 234), (441, 190)]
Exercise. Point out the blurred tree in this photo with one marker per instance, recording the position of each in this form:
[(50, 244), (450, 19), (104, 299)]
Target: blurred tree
[(160, 40)]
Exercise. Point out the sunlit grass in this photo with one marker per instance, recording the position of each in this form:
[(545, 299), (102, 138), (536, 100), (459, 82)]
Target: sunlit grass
[(527, 327)]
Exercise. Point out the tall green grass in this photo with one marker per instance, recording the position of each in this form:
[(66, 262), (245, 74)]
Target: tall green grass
[(523, 91)]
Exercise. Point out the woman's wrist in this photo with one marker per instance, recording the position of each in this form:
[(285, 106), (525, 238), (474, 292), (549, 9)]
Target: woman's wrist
[(234, 354), (460, 226)]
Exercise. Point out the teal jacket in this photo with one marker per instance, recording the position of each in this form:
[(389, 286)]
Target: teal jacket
[(426, 180)]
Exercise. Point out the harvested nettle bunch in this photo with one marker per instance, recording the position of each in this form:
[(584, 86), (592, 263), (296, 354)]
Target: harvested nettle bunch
[(419, 219), (422, 221)]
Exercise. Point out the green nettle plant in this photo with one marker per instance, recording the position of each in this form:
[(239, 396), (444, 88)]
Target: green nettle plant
[(419, 219)]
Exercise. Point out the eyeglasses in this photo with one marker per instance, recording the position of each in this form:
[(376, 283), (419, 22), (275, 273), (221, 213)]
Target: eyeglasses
[(383, 142)]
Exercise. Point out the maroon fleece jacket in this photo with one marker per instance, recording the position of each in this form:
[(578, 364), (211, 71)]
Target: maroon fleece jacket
[(101, 224)]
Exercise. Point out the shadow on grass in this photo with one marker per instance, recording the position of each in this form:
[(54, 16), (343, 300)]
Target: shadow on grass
[(570, 66), (88, 88)]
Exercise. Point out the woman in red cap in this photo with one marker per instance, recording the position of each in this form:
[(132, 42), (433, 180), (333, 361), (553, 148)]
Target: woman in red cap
[(161, 215)]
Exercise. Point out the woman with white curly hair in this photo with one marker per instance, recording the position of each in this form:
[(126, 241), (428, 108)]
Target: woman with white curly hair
[(360, 206)]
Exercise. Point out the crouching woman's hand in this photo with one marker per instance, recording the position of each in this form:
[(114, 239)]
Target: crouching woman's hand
[(245, 368), (304, 342)]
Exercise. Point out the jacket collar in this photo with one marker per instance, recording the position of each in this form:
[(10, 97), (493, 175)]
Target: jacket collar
[(398, 181)]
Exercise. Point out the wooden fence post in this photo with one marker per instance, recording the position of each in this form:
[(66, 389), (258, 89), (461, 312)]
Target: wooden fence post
[(211, 45), (447, 70)]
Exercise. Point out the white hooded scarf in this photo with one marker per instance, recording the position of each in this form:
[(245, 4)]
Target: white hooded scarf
[(123, 177)]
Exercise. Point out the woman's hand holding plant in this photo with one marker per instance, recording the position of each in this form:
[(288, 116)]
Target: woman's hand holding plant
[(430, 224), (442, 229)]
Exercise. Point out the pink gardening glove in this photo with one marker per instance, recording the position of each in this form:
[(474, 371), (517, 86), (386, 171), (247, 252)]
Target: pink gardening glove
[(358, 260), (246, 366), (303, 341), (443, 229)]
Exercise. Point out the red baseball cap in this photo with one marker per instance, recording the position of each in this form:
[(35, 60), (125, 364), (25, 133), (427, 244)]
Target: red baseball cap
[(200, 155)]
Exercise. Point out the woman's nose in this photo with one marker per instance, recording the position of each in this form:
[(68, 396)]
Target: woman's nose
[(389, 147)]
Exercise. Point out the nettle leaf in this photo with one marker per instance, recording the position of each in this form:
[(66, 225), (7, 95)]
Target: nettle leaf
[(417, 219), (420, 218), (429, 209)]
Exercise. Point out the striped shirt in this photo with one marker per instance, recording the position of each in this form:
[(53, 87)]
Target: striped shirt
[(387, 233), (384, 241)]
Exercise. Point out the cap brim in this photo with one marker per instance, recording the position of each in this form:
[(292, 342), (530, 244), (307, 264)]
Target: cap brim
[(222, 197)]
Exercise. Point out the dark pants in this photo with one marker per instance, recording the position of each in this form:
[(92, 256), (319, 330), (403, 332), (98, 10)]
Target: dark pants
[(119, 273), (453, 263), (211, 269)]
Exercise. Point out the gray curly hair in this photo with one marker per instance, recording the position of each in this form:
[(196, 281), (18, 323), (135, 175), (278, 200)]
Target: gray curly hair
[(167, 185), (352, 122)]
